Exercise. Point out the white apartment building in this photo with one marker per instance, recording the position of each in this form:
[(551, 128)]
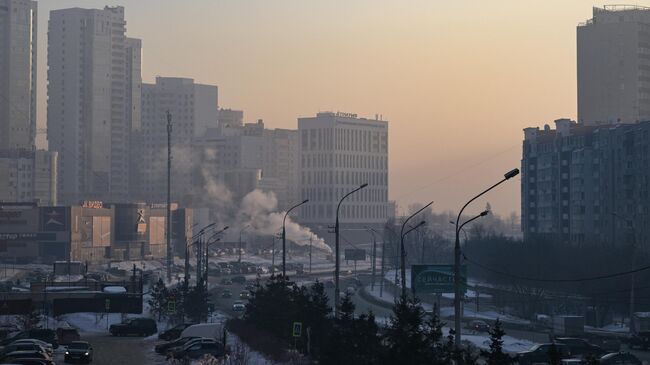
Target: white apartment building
[(18, 31), (194, 109), (93, 85), (339, 152), (613, 53)]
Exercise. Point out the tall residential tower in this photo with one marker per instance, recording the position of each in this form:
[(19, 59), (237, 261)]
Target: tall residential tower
[(94, 85)]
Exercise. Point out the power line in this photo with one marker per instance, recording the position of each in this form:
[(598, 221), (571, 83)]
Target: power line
[(527, 278)]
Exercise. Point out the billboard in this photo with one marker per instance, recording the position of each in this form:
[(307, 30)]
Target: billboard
[(436, 278), (355, 254), (54, 219)]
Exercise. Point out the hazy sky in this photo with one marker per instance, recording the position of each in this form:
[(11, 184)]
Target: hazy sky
[(458, 80)]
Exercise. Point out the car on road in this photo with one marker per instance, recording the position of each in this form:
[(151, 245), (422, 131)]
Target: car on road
[(226, 293), (80, 351), (619, 358), (262, 269), (226, 281), (134, 326), (162, 348), (47, 346), (479, 326), (174, 332), (640, 340), (245, 294), (238, 306), (581, 348), (199, 349), (542, 353), (66, 335)]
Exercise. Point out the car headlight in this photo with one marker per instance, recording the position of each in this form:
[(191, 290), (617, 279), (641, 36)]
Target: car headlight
[(87, 354), (67, 353)]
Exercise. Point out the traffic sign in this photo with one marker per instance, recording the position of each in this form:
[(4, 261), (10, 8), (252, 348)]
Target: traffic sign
[(436, 278), (171, 307), (355, 254), (297, 329)]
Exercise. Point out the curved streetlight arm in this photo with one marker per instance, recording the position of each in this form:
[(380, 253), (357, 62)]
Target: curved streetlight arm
[(413, 215), (218, 233), (507, 176), (482, 214), (204, 230), (413, 228), (292, 208), (347, 195)]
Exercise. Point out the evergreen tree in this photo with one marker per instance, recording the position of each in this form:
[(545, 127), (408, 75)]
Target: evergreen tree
[(406, 338), (496, 356), (346, 308), (158, 301), (196, 304)]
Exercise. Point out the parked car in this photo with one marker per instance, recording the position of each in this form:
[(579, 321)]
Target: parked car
[(245, 294), (47, 346), (540, 353), (581, 348), (204, 330), (238, 306), (10, 357), (45, 335), (135, 326), (239, 280), (67, 335), (620, 358), (226, 293), (198, 349), (174, 332), (640, 340), (29, 346), (80, 351), (479, 326), (162, 348)]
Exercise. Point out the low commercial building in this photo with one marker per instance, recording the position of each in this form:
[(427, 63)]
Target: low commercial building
[(91, 232)]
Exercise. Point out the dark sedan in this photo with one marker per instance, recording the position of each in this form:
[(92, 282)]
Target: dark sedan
[(163, 347), (80, 351)]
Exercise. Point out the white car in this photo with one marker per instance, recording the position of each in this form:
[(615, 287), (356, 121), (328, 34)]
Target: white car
[(238, 306), (46, 346)]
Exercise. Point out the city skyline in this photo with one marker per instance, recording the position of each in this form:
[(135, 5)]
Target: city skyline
[(327, 71)]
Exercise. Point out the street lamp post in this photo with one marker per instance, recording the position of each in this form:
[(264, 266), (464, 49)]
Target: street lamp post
[(404, 257), (187, 254), (374, 258), (457, 310), (207, 245), (337, 267), (240, 232), (284, 237), (403, 251), (630, 223)]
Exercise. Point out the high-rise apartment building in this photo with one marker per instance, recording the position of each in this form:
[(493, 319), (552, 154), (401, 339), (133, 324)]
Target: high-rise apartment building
[(93, 102), (581, 183), (194, 109), (613, 50), (339, 152), (18, 35)]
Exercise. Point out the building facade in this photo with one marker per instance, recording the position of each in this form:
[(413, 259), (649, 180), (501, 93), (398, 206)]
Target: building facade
[(18, 36), (93, 82), (338, 153), (586, 184), (91, 232), (613, 54), (193, 108)]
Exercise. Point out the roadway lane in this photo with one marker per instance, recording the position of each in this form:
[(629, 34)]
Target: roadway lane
[(109, 350)]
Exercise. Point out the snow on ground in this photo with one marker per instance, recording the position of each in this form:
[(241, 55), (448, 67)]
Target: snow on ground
[(614, 327), (92, 322), (510, 344)]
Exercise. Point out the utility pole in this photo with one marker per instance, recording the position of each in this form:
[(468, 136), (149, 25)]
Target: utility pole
[(374, 260), (169, 196), (273, 257), (383, 257)]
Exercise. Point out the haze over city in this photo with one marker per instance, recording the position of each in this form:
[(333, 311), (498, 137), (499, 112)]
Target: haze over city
[(457, 80)]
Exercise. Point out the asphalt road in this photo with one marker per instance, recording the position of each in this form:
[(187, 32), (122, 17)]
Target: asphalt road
[(109, 350)]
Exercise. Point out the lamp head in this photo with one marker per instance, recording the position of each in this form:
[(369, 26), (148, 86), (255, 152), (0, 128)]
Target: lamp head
[(363, 185), (304, 201), (484, 213), (224, 228), (510, 174)]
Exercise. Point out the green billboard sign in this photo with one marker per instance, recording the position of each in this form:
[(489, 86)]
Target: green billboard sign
[(427, 279)]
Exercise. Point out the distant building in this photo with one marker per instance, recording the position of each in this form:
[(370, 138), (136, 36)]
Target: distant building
[(613, 50), (576, 179), (92, 232), (18, 36), (193, 108), (231, 118), (248, 157), (93, 105), (339, 152)]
